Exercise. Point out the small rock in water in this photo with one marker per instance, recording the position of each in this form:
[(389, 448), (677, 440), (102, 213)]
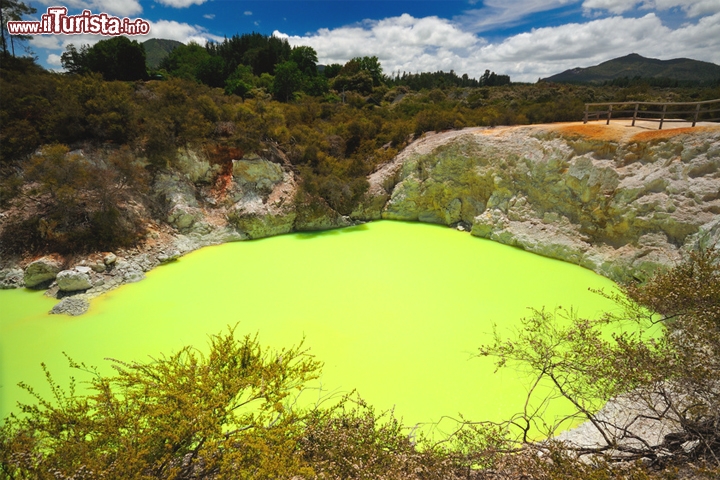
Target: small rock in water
[(168, 257), (132, 276), (71, 306)]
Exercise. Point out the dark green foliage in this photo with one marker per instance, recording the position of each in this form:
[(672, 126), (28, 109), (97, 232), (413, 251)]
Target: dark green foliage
[(491, 79), (117, 58), (184, 60), (306, 60), (332, 71), (240, 82), (288, 80), (211, 72), (360, 82), (445, 80), (372, 66), (258, 51), (360, 75)]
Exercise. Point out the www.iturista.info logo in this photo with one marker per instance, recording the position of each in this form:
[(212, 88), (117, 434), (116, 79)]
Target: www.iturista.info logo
[(57, 21)]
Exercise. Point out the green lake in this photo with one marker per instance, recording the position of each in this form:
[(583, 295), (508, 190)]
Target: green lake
[(395, 310)]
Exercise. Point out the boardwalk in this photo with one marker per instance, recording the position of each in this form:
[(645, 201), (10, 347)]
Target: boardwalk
[(662, 112)]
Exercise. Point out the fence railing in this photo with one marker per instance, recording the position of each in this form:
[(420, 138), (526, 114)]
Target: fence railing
[(655, 111)]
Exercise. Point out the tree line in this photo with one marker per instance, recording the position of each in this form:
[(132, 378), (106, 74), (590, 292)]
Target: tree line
[(244, 63), (333, 141)]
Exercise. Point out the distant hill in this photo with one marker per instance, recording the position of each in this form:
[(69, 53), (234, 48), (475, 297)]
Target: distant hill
[(683, 70), (156, 49)]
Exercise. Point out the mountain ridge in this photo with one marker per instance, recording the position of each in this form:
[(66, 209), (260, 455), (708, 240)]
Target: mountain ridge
[(156, 49), (635, 66)]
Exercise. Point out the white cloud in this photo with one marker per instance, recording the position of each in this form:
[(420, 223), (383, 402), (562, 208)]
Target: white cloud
[(426, 44), (54, 59), (182, 32), (691, 8), (209, 16), (247, 13), (122, 8), (404, 43), (50, 42), (180, 3), (495, 13)]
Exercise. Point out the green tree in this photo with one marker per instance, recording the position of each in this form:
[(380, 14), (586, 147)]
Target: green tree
[(183, 61), (332, 70), (12, 11), (288, 80), (306, 59), (117, 58), (240, 82), (372, 66), (261, 52), (211, 72)]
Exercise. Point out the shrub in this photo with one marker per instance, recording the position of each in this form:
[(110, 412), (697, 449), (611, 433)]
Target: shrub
[(670, 376)]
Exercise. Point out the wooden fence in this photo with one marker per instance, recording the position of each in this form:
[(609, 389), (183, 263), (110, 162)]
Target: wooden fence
[(655, 111)]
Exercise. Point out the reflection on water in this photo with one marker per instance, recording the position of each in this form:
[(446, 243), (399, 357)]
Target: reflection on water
[(395, 310)]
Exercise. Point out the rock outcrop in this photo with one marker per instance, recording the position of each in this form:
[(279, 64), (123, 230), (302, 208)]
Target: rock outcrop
[(74, 280), (621, 201), (41, 271), (71, 306)]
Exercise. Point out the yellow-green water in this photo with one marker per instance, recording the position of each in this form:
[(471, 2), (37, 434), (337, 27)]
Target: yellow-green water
[(395, 310)]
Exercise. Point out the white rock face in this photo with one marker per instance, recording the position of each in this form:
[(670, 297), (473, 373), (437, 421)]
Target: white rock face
[(621, 201), (73, 280)]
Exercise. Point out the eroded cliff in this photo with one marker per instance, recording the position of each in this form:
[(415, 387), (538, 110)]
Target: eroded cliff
[(617, 199)]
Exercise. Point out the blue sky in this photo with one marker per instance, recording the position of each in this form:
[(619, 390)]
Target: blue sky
[(526, 39)]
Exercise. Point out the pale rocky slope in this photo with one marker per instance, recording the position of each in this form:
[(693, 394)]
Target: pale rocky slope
[(617, 199)]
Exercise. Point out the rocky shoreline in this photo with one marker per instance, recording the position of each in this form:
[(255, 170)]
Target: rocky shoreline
[(620, 200)]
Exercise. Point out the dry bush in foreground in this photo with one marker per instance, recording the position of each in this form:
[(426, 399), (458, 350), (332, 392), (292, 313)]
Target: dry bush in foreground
[(660, 366)]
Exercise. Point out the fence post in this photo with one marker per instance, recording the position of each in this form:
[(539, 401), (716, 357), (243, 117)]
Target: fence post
[(662, 118), (609, 115), (697, 112), (635, 113), (585, 118)]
